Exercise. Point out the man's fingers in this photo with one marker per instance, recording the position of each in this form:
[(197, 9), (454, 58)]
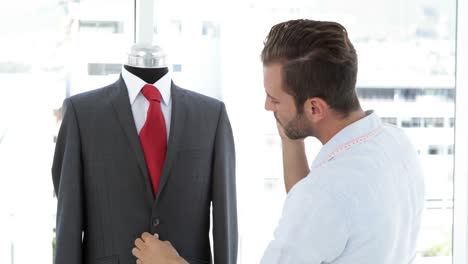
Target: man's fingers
[(147, 237), (136, 252), (139, 243), (171, 247)]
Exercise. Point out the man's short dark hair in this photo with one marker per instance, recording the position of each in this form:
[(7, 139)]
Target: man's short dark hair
[(318, 60)]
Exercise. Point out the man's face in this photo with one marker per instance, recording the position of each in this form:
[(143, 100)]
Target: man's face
[(282, 104)]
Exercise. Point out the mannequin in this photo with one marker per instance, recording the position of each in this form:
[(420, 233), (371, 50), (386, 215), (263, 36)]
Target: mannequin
[(147, 62), (104, 191)]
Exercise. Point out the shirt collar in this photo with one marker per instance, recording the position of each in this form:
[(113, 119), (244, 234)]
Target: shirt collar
[(354, 132), (134, 85)]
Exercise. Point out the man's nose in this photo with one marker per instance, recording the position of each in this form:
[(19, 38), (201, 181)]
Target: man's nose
[(268, 105)]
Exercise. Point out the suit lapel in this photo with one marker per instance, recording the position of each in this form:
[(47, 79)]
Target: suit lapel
[(121, 104), (178, 113)]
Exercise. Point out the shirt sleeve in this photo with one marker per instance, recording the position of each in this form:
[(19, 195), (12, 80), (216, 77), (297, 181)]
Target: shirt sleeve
[(313, 227)]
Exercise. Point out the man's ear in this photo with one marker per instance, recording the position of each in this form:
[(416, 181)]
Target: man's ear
[(315, 109)]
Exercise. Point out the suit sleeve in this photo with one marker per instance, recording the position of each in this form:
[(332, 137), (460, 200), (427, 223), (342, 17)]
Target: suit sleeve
[(225, 234), (68, 186)]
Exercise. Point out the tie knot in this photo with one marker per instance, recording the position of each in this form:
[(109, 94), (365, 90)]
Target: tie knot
[(151, 93)]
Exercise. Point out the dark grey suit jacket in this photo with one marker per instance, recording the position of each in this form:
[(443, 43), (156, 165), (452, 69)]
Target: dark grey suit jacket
[(105, 199)]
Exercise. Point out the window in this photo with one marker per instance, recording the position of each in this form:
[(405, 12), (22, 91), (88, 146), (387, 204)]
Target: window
[(177, 68), (271, 184), (376, 94), (176, 27), (104, 68), (15, 67), (209, 29), (409, 94), (411, 122), (445, 93), (416, 122), (406, 73), (450, 150), (406, 123), (101, 26), (433, 122), (49, 50), (389, 120), (434, 150)]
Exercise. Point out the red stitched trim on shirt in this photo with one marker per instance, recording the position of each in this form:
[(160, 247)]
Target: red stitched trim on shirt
[(349, 144)]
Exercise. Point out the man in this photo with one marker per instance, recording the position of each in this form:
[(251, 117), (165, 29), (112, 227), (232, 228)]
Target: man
[(362, 198)]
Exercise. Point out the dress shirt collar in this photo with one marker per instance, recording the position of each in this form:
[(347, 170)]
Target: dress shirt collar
[(134, 85)]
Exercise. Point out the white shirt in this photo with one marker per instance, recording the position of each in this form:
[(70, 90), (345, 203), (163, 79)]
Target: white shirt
[(360, 204), (140, 104)]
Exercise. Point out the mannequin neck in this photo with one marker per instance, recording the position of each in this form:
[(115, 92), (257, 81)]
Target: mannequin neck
[(149, 75)]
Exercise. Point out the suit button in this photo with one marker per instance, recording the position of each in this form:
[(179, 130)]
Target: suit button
[(155, 222)]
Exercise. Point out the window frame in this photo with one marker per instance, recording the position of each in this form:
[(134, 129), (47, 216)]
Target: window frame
[(460, 211)]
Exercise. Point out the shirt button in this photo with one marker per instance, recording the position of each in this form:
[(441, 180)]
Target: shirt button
[(155, 222)]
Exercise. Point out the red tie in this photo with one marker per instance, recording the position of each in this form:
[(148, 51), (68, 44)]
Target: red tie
[(153, 136)]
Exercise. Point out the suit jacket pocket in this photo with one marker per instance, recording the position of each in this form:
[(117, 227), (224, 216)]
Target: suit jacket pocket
[(108, 260), (194, 164), (191, 174)]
